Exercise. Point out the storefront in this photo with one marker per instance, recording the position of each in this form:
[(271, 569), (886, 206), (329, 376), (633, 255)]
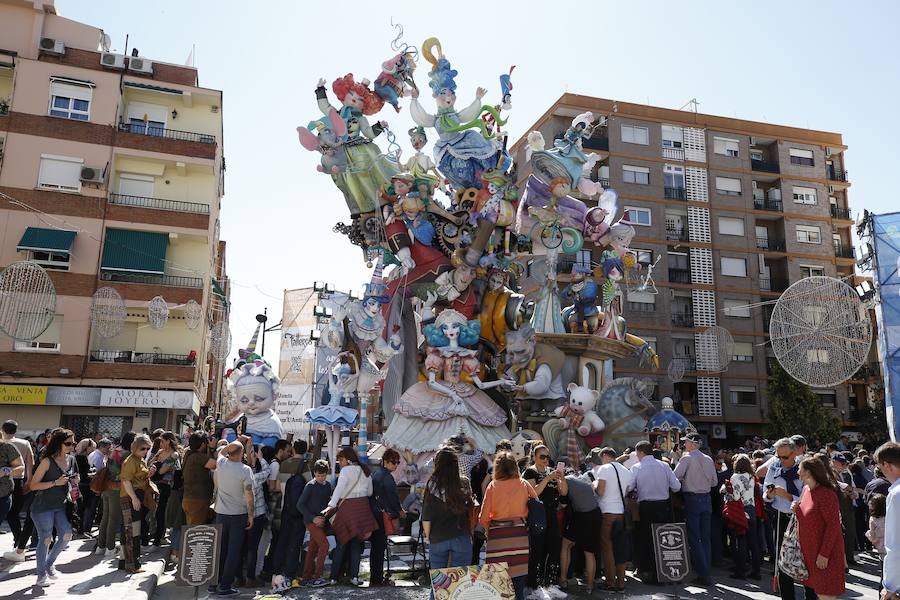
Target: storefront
[(88, 410)]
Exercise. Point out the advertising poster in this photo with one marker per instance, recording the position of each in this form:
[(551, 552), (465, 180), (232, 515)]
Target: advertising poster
[(886, 240), (488, 582), (297, 356), (337, 301)]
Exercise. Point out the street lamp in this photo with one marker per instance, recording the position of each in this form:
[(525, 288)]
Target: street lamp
[(261, 319)]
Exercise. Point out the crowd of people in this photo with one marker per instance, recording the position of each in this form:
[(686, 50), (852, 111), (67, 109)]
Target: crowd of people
[(551, 524)]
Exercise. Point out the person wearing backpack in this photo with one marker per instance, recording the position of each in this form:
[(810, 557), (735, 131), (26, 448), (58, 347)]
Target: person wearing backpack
[(293, 530)]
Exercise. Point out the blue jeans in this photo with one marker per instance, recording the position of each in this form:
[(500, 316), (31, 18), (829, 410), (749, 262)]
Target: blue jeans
[(233, 533), (354, 547), (45, 522), (455, 552), (698, 513), (251, 546)]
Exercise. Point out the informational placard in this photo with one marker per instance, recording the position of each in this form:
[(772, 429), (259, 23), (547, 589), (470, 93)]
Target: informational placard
[(673, 558), (198, 563), (488, 582)]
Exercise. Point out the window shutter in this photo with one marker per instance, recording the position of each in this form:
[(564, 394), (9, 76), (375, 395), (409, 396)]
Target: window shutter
[(60, 173), (68, 90), (801, 153), (731, 226), (728, 184), (734, 267), (136, 185)]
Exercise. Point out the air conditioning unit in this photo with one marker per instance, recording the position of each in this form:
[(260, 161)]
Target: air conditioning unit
[(774, 194), (111, 60), (140, 65), (719, 432), (91, 175), (52, 47)]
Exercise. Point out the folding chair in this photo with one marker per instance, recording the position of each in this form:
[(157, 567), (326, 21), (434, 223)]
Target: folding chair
[(413, 545)]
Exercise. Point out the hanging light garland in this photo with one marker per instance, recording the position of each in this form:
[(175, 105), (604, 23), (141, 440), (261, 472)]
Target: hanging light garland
[(107, 312), (193, 314), (27, 301), (158, 312)]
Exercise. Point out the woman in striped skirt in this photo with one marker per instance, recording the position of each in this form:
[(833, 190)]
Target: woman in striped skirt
[(503, 514)]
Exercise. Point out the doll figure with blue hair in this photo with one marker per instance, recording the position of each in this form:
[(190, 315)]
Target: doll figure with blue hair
[(452, 400), (613, 269), (256, 387), (461, 153), (582, 315)]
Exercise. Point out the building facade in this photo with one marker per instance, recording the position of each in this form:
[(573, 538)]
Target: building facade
[(111, 175), (729, 213)]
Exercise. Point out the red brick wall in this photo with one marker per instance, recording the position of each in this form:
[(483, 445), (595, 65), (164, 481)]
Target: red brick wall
[(137, 371), (139, 291), (91, 60), (118, 212), (38, 364), (59, 128), (73, 284), (58, 203), (123, 139)]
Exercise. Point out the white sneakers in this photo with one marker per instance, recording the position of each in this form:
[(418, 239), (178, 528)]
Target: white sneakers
[(14, 556), (51, 572), (42, 582), (112, 553)]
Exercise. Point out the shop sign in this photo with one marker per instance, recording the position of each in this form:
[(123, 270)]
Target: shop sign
[(73, 396), (138, 398), (23, 394)]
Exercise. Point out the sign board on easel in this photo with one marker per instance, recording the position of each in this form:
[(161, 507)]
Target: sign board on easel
[(673, 557), (486, 582), (198, 561)]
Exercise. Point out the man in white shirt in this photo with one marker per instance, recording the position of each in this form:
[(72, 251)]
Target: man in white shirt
[(97, 458), (887, 457), (612, 483)]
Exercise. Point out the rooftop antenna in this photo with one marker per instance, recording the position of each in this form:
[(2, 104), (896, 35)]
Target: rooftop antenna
[(693, 103)]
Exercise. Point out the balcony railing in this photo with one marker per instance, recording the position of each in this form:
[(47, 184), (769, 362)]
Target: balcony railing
[(840, 213), (842, 251), (150, 279), (673, 153), (676, 233), (158, 203), (641, 307), (597, 142), (766, 166), (741, 358), (682, 320), (147, 358), (680, 275), (774, 205), (688, 362), (772, 285), (675, 193), (169, 134), (836, 174), (770, 244)]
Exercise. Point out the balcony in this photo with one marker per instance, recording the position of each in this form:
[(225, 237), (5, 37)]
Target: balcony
[(836, 174), (158, 203), (597, 142), (680, 275), (675, 193), (772, 285), (673, 153), (683, 319), (688, 362), (766, 166), (770, 244), (840, 213), (773, 205), (164, 132), (866, 372), (641, 307), (604, 181), (151, 279), (679, 234), (145, 358), (842, 251)]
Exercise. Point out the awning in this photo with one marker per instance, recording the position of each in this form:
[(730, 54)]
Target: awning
[(135, 251), (58, 241), (154, 88)]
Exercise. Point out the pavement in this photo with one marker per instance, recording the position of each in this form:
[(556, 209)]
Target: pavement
[(83, 574)]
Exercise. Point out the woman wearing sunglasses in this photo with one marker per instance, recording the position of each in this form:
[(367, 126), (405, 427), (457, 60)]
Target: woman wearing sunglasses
[(543, 559), (134, 478), (50, 485)]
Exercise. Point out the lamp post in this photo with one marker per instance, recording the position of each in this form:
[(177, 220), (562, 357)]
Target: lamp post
[(261, 319)]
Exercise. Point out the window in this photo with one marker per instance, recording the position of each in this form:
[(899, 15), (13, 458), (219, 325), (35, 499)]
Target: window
[(672, 137), (733, 267), (61, 173), (634, 134), (813, 316), (639, 175), (70, 99), (736, 308), (638, 216), (742, 394), (743, 352), (827, 398), (811, 271), (808, 235), (131, 184), (731, 226), (801, 157), (641, 297), (728, 186), (726, 146), (678, 260), (673, 176), (644, 257), (148, 119), (757, 155), (804, 195), (50, 260), (47, 341), (817, 355)]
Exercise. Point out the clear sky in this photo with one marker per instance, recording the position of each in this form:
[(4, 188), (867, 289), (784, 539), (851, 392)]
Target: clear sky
[(825, 65)]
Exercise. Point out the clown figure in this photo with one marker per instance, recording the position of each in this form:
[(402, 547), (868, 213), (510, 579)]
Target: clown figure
[(534, 372)]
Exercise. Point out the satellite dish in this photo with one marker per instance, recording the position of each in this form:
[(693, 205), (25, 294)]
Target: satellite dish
[(193, 314), (220, 341), (714, 347), (820, 330), (158, 312), (107, 312), (676, 370), (27, 301)]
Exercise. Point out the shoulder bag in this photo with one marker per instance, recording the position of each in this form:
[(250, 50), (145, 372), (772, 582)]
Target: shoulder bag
[(622, 531), (99, 481), (790, 559)]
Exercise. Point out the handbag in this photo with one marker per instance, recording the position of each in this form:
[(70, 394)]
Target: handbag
[(151, 495), (627, 504), (99, 481), (790, 558), (733, 512), (391, 525), (537, 517)]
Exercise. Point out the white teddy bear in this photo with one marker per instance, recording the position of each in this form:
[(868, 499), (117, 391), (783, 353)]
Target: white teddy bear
[(580, 410)]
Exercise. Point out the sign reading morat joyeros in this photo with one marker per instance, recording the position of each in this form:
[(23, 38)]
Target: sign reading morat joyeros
[(198, 563), (140, 398), (670, 544)]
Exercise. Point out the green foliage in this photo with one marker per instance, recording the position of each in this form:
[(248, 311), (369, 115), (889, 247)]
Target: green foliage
[(795, 409)]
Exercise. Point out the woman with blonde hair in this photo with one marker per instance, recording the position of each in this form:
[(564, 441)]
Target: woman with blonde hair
[(132, 497), (504, 513)]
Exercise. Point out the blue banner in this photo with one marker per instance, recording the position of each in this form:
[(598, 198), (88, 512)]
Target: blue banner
[(886, 240)]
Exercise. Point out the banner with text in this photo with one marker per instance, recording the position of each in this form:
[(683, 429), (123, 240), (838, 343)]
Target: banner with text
[(886, 239)]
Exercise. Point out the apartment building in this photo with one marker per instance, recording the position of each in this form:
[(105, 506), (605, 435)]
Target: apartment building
[(112, 176), (730, 212)]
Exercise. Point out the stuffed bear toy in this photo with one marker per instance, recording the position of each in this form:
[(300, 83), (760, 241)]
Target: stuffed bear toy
[(579, 411)]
